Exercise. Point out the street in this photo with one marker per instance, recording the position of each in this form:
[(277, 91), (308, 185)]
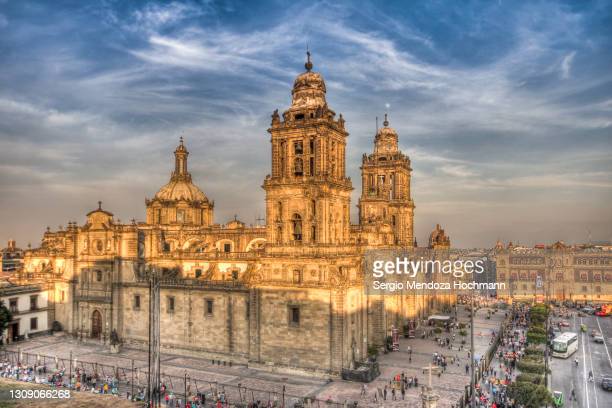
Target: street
[(591, 357)]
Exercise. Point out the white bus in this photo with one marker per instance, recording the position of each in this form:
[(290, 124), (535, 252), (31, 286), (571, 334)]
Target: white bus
[(565, 345)]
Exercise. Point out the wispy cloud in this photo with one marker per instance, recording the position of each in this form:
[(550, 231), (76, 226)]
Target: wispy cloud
[(492, 103)]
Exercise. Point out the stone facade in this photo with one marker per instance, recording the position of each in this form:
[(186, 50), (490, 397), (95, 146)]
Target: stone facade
[(288, 296), (582, 275)]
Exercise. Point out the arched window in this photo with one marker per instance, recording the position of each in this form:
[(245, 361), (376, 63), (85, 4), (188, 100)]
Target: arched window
[(298, 167), (296, 221)]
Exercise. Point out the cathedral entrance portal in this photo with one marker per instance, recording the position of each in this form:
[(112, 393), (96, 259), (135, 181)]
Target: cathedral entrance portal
[(96, 324)]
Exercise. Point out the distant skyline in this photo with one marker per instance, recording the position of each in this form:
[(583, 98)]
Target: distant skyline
[(504, 108)]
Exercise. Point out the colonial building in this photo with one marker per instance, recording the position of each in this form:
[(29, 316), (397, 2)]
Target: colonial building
[(556, 272), (28, 307), (12, 257), (288, 296)]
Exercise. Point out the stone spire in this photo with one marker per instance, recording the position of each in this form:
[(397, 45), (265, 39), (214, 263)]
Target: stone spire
[(180, 162)]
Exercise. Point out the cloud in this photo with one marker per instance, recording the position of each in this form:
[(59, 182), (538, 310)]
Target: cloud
[(566, 64), (490, 104)]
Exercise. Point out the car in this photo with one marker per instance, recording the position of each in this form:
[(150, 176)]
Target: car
[(606, 383), (595, 333), (601, 313), (598, 339), (588, 310), (558, 399), (564, 323)]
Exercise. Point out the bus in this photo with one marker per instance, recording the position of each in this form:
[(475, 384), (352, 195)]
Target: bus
[(565, 345)]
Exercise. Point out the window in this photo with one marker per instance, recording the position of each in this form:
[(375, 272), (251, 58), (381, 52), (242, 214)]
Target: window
[(313, 234), (198, 273), (298, 169), (34, 302), (235, 274), (13, 305), (584, 276), (299, 116), (597, 288), (311, 167), (98, 276), (298, 147), (166, 247), (297, 276), (294, 316), (34, 323), (248, 309), (209, 307), (312, 146), (297, 227), (584, 288), (227, 247), (559, 276), (279, 234), (170, 304), (136, 302), (180, 216)]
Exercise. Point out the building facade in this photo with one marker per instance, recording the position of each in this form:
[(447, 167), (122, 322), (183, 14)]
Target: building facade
[(12, 258), (286, 296), (557, 272), (28, 306)]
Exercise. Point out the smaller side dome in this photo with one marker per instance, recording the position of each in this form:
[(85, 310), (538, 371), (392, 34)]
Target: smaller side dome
[(386, 140)]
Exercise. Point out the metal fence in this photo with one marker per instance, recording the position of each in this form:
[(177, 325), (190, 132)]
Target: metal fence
[(132, 379)]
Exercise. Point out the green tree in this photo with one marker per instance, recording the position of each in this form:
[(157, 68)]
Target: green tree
[(529, 395), (5, 318)]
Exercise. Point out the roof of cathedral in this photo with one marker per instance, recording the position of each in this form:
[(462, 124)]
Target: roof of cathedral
[(180, 190), (309, 88), (386, 140), (180, 186)]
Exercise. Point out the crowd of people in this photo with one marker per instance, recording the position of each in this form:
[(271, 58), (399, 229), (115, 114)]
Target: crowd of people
[(79, 381), (491, 390)]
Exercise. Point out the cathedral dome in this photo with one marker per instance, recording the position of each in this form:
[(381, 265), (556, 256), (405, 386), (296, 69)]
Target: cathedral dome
[(386, 140), (180, 186), (308, 89), (177, 190)]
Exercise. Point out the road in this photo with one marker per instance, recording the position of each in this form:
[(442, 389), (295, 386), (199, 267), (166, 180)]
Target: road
[(591, 357)]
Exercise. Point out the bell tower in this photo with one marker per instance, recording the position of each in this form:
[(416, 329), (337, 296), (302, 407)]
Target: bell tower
[(308, 193), (385, 187)]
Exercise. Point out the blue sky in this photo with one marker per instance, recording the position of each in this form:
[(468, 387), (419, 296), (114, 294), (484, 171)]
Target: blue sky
[(505, 108)]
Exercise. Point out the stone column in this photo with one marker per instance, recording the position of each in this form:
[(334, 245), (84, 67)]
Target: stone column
[(428, 398)]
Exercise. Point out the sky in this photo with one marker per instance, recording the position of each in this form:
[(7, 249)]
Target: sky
[(504, 107)]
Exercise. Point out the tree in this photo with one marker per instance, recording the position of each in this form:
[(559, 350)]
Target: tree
[(5, 318), (529, 395)]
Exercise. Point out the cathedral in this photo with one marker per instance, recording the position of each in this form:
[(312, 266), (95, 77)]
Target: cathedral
[(288, 296)]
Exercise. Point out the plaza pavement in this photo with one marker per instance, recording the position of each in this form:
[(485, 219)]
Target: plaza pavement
[(449, 386)]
